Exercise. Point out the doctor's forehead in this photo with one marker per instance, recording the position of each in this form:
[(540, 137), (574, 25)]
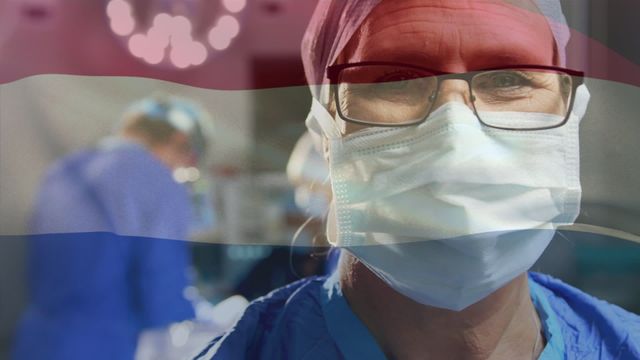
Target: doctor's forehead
[(453, 36)]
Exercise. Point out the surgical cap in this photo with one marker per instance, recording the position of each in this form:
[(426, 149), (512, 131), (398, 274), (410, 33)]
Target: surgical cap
[(306, 164), (181, 114), (335, 21)]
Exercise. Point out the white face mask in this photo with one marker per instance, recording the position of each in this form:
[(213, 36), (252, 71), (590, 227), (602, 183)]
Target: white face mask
[(449, 211)]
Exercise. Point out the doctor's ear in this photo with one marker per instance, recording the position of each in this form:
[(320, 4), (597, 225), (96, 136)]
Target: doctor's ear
[(331, 103), (342, 125)]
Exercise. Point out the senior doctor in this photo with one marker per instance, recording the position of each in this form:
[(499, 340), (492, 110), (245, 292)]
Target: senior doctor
[(451, 133)]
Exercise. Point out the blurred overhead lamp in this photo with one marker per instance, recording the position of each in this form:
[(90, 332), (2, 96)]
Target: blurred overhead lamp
[(175, 33), (234, 6)]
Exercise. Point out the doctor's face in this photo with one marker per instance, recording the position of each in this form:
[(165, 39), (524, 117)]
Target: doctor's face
[(453, 37)]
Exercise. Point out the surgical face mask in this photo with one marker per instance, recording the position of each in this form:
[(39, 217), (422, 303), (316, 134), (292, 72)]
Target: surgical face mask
[(449, 211)]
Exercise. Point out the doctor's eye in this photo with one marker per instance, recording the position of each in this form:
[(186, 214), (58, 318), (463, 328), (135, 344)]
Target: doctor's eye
[(388, 83), (504, 82)]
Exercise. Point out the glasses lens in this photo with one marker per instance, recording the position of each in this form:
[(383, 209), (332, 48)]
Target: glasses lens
[(544, 95), (385, 95)]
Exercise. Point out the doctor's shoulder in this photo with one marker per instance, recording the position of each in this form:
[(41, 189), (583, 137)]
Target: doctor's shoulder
[(591, 328), (284, 324)]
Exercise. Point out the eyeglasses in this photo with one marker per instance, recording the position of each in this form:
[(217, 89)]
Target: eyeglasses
[(394, 94)]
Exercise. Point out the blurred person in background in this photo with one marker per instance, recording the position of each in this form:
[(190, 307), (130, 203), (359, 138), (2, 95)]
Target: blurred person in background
[(451, 132), (108, 258), (307, 170), (310, 253)]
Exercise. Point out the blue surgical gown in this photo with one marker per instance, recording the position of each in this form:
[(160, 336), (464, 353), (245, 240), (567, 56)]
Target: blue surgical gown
[(104, 262), (310, 320)]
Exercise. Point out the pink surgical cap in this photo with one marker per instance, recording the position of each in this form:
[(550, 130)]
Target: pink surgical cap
[(335, 21)]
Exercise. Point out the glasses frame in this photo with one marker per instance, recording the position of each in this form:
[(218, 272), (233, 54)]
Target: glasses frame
[(334, 72)]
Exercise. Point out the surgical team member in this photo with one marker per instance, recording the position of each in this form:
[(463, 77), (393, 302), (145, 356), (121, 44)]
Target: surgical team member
[(309, 174), (451, 134), (109, 261)]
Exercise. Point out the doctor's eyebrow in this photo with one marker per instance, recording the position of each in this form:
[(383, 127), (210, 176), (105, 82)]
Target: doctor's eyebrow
[(486, 58)]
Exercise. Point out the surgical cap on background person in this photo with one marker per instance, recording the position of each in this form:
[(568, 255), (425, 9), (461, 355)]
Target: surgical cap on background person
[(306, 164), (181, 114), (309, 172), (334, 22)]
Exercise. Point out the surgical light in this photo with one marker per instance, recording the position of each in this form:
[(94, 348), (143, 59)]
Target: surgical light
[(234, 6), (170, 38)]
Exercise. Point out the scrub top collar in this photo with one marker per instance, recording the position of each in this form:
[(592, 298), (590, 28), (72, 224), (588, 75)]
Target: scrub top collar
[(550, 325)]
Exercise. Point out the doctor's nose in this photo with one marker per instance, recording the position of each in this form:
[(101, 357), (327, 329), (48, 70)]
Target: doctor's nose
[(450, 91)]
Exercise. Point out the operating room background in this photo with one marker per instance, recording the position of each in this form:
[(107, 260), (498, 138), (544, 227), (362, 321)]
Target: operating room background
[(44, 117)]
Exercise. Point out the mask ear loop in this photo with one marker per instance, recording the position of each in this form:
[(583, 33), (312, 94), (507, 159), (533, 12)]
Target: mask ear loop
[(581, 101), (315, 255), (320, 121), (321, 125)]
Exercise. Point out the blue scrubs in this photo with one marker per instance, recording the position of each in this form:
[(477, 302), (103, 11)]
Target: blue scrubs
[(92, 291), (310, 319)]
